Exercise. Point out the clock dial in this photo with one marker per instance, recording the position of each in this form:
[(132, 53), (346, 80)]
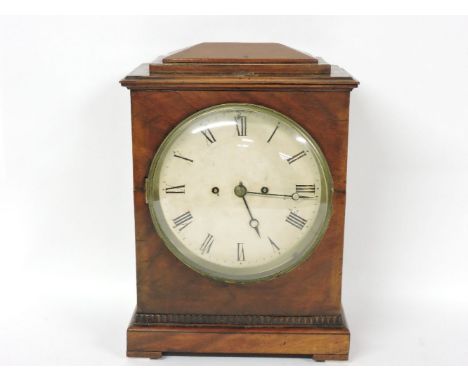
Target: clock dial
[(240, 192)]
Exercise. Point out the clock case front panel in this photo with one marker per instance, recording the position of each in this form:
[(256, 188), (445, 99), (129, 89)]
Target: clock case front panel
[(179, 310), (168, 287)]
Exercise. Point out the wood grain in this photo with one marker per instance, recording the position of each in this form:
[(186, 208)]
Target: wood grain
[(235, 52), (320, 343), (166, 285), (240, 69), (323, 114)]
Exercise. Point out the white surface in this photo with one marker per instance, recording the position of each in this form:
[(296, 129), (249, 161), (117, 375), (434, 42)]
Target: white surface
[(66, 214), (239, 7)]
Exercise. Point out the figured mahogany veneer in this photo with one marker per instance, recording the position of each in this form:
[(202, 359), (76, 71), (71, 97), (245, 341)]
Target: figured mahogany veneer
[(239, 52), (178, 310), (318, 343)]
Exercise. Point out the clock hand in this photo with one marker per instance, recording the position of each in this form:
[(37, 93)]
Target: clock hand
[(253, 222), (294, 196), (240, 191)]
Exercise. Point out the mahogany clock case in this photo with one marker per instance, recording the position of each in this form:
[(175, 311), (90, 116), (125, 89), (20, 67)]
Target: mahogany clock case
[(179, 310)]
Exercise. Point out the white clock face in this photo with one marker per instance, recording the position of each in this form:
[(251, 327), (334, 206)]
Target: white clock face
[(239, 193)]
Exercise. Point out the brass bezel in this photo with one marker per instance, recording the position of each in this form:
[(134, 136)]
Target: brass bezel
[(152, 194)]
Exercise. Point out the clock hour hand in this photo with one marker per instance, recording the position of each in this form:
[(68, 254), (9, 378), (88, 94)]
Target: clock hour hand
[(240, 191), (253, 222), (294, 196)]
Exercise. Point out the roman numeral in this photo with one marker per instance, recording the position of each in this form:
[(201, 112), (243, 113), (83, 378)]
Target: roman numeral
[(296, 157), (175, 190), (273, 133), (240, 252), (303, 188), (241, 125), (183, 220), (208, 135), (296, 220), (207, 243), (184, 158), (273, 244)]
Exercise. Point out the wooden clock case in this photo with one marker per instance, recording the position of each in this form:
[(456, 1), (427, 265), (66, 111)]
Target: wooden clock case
[(181, 311)]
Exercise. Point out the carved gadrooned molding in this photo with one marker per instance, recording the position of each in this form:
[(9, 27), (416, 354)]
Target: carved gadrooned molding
[(333, 321)]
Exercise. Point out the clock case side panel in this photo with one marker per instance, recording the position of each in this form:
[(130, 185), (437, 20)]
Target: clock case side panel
[(168, 292)]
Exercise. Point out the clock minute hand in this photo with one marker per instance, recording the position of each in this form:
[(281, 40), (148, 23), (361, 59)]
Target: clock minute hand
[(294, 196)]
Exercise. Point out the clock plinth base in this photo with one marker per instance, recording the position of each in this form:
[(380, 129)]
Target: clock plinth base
[(318, 343)]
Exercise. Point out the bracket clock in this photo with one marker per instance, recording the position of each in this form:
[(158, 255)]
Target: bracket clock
[(239, 165)]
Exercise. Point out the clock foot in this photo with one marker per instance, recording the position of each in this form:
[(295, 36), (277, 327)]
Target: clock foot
[(147, 354), (329, 357)]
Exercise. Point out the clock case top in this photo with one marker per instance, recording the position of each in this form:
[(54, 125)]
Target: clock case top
[(304, 88), (239, 66)]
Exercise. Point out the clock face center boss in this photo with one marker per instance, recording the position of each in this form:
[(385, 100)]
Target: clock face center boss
[(239, 192)]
